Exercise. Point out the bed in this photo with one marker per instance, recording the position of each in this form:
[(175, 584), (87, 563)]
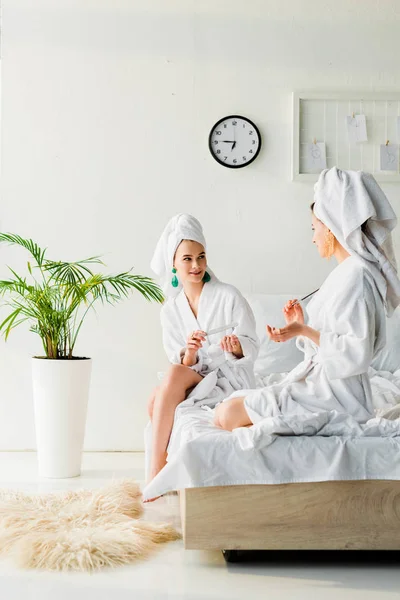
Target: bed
[(328, 515), (334, 488)]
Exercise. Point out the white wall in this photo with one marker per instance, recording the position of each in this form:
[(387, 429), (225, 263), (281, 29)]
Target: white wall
[(106, 110)]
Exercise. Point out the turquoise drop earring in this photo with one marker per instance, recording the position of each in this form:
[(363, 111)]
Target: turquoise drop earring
[(174, 281), (206, 277)]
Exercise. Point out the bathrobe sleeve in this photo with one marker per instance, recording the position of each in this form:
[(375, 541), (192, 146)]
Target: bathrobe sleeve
[(174, 341), (245, 331), (347, 342)]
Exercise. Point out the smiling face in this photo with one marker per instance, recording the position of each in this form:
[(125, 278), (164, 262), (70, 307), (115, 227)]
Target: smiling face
[(190, 262), (320, 235)]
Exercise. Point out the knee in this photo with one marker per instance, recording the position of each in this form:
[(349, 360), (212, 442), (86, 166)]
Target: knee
[(178, 377), (223, 416), (174, 374), (231, 414)]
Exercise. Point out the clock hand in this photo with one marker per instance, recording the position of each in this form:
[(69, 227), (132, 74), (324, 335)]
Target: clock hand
[(227, 141), (234, 138)]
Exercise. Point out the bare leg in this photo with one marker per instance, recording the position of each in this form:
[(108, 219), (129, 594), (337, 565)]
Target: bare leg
[(150, 404), (172, 391), (232, 414)]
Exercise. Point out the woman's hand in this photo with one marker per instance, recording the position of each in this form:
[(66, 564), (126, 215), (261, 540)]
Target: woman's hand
[(285, 334), (194, 342), (230, 343), (293, 313)]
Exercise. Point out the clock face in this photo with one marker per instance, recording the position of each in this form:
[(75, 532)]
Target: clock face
[(234, 142)]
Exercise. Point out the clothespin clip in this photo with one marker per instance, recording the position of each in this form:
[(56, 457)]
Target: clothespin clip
[(315, 141), (387, 143), (353, 115)]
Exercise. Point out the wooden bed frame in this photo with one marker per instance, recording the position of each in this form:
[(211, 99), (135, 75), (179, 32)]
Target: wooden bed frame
[(330, 515)]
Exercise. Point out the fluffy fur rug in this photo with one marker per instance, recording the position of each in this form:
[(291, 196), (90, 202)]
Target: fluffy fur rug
[(78, 531)]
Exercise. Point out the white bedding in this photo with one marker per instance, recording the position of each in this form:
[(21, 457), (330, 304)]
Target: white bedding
[(326, 447)]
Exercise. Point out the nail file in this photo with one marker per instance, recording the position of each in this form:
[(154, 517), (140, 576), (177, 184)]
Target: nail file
[(304, 298), (223, 328)]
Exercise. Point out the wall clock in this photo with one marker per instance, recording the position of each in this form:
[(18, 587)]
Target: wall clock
[(234, 141)]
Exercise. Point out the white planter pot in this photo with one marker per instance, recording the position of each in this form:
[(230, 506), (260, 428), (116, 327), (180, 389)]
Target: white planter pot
[(60, 395)]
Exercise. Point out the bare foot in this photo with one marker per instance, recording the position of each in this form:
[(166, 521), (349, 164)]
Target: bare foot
[(152, 499)]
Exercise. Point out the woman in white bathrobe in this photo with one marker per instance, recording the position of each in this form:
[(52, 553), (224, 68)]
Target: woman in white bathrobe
[(204, 368), (352, 220)]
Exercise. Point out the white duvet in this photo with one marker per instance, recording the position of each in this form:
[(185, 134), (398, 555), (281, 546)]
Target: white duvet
[(321, 447)]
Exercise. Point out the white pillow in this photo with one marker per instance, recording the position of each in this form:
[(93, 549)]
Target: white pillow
[(272, 357), (389, 358)]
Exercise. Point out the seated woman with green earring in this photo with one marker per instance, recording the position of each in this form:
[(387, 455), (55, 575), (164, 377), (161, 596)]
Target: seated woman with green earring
[(208, 332)]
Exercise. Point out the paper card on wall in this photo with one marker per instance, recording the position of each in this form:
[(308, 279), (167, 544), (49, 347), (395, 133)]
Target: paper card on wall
[(316, 156), (389, 157), (357, 129)]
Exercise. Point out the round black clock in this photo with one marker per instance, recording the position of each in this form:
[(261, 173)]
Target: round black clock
[(234, 142)]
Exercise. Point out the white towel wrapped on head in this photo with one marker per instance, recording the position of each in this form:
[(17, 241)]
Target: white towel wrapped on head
[(181, 227), (346, 200)]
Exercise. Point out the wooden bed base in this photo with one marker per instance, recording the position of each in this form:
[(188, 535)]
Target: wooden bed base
[(330, 515)]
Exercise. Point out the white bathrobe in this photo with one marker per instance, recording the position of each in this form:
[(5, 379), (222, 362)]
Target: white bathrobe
[(223, 373), (349, 313)]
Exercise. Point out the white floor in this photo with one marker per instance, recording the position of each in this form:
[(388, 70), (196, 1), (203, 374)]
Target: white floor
[(175, 573)]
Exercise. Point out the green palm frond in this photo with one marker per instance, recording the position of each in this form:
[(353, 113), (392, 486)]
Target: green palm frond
[(8, 322), (10, 285), (123, 283), (29, 309), (72, 273), (56, 306), (37, 252)]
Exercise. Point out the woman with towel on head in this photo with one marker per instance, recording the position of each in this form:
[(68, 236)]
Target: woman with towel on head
[(352, 220), (205, 366)]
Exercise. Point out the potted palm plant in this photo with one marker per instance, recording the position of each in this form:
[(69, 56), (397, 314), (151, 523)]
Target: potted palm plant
[(54, 298)]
